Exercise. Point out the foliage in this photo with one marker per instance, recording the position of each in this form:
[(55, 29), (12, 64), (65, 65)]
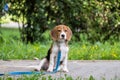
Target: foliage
[(97, 19), (97, 51), (11, 47), (1, 8), (5, 19), (48, 77)]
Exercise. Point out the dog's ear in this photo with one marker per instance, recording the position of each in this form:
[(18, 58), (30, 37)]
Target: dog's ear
[(69, 34), (53, 34)]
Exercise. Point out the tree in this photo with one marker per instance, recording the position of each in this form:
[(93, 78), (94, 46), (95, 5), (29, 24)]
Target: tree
[(1, 10), (96, 18)]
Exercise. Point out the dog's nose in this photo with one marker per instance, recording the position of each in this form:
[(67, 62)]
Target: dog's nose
[(62, 35)]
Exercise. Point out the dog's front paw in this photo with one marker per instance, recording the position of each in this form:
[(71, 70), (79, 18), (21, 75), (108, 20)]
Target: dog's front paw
[(65, 70), (50, 69), (37, 69)]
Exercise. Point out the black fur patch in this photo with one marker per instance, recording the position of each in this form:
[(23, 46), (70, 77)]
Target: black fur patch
[(48, 55)]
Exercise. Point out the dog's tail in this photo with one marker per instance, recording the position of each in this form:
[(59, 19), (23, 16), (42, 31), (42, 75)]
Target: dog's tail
[(42, 64), (35, 58)]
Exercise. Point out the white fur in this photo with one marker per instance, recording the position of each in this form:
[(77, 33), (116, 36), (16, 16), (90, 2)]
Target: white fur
[(63, 33), (64, 50)]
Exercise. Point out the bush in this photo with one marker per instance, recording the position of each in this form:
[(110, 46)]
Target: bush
[(98, 20)]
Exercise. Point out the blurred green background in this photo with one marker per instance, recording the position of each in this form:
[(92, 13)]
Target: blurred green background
[(95, 25)]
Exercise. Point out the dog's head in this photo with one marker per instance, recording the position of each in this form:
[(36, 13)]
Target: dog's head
[(61, 33)]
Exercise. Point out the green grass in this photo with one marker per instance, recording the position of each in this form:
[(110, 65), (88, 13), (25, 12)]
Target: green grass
[(40, 77), (97, 51), (44, 77), (11, 47)]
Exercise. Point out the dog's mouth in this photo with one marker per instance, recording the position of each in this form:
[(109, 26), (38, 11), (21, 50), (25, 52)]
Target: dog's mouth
[(61, 39)]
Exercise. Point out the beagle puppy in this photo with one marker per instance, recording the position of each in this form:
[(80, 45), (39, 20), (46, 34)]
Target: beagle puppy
[(61, 35)]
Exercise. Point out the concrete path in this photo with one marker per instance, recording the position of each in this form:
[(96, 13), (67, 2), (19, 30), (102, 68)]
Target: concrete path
[(11, 25), (98, 69)]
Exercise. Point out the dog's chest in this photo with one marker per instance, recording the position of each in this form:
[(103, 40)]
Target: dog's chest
[(63, 48)]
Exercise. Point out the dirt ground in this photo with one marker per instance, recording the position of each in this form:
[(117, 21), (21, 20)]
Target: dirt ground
[(100, 69)]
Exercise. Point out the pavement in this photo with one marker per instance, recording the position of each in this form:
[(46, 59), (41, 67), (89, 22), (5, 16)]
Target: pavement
[(11, 25), (99, 69)]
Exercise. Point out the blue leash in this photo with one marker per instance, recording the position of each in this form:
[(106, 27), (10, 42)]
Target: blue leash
[(35, 72)]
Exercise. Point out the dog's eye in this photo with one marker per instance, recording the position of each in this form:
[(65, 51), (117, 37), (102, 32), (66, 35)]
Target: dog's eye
[(65, 30), (59, 30)]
